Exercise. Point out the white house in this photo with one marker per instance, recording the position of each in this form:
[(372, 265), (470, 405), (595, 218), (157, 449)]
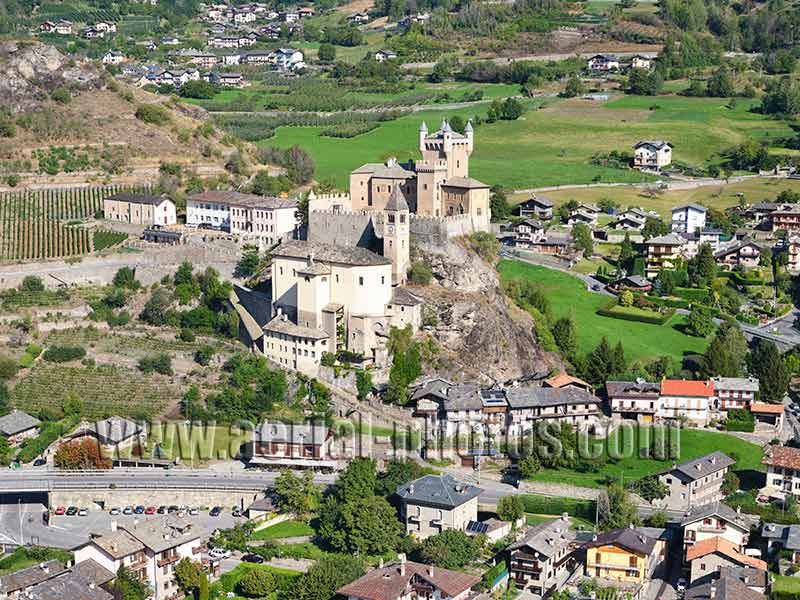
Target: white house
[(288, 59), (603, 63), (113, 58), (641, 62), (384, 55), (686, 399), (652, 154), (688, 218)]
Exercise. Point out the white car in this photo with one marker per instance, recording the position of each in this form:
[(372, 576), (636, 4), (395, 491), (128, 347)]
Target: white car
[(84, 512), (193, 512), (115, 511), (681, 585), (219, 553)]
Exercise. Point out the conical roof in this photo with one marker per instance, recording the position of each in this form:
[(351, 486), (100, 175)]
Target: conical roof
[(397, 201)]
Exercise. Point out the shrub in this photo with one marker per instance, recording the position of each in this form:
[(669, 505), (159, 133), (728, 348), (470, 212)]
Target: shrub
[(420, 273), (62, 354), (203, 355), (154, 114), (32, 283), (7, 128), (159, 363), (61, 95), (8, 367)]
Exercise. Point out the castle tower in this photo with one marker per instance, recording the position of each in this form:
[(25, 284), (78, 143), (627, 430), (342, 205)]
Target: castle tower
[(423, 133), (396, 237)]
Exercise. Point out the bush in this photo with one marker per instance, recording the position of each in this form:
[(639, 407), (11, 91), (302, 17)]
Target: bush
[(159, 363), (625, 313), (32, 283), (551, 505), (203, 355), (62, 95), (740, 419), (7, 128), (62, 354), (8, 367), (420, 273), (155, 114)]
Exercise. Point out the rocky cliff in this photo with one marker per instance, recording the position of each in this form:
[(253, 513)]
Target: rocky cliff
[(482, 334)]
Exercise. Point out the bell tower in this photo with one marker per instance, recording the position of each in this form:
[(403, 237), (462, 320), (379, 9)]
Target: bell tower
[(396, 236)]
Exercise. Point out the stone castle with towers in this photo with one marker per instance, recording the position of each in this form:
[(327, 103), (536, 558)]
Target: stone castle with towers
[(343, 288)]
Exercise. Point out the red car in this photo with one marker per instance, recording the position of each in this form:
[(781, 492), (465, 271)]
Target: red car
[(61, 510), (150, 510)]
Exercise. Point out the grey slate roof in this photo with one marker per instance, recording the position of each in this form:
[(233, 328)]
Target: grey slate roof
[(70, 586), (393, 171), (546, 538), (789, 535), (691, 205), (117, 544), (705, 465), (464, 396), (286, 327), (16, 422), (632, 389), (158, 537), (465, 182), (721, 510), (93, 571), (627, 537), (438, 490), (531, 397), (657, 144), (114, 430), (332, 253), (726, 586), (435, 386), (137, 198), (666, 240), (246, 200), (396, 201), (404, 297), (739, 384), (24, 578), (293, 433)]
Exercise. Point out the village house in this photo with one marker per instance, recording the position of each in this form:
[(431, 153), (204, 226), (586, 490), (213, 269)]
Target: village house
[(688, 218), (435, 503), (114, 435), (742, 254), (90, 33), (16, 585), (267, 219), (405, 580), (528, 233), (288, 60), (641, 62), (786, 218), (291, 444), (223, 42), (230, 60), (585, 217), (702, 522), (140, 209), (663, 252), (629, 554), (17, 426), (61, 27), (691, 400), (230, 80), (634, 283), (629, 222), (460, 409), (257, 58), (696, 482), (652, 154), (734, 392), (732, 583), (205, 61), (783, 471), (633, 400), (603, 63), (563, 380), (529, 405), (86, 580), (358, 18), (537, 207), (782, 537), (710, 555), (543, 559), (113, 58), (770, 416), (384, 55), (150, 550)]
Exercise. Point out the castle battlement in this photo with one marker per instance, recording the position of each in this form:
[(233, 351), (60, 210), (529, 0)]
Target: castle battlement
[(465, 218), (346, 213), (332, 196)]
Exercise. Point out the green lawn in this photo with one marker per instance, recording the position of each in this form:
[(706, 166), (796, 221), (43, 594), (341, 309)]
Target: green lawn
[(785, 584), (287, 529), (569, 297), (23, 558), (229, 581), (553, 145), (692, 443)]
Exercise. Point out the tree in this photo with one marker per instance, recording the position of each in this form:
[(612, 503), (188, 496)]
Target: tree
[(626, 254), (299, 165), (654, 227), (81, 455), (32, 283), (643, 82), (183, 276), (582, 238), (187, 575), (574, 87), (363, 384), (297, 494), (325, 577), (720, 85), (699, 323), (730, 483), (359, 480), (498, 204), (658, 519), (615, 509), (256, 583), (8, 367), (598, 363), (203, 355), (529, 465), (126, 278), (127, 586), (156, 309), (702, 268), (617, 363), (327, 53), (200, 89), (4, 406), (766, 363), (650, 488), (451, 549), (397, 473), (512, 109), (565, 335), (626, 298), (249, 262), (726, 354), (510, 508), (366, 525), (420, 273)]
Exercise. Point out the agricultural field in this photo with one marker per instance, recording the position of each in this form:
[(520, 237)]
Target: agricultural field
[(569, 297), (42, 224), (554, 141)]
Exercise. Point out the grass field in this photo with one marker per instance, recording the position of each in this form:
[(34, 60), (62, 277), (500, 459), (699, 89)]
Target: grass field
[(196, 445), (553, 145), (692, 444), (287, 529), (23, 558), (569, 297), (229, 581), (785, 584)]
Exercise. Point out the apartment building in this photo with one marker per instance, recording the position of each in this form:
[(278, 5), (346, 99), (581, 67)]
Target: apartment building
[(783, 470), (633, 400), (691, 400), (434, 503), (150, 550), (716, 519), (287, 444), (734, 393), (544, 558), (528, 405), (696, 482), (688, 218), (663, 252), (786, 218), (629, 554)]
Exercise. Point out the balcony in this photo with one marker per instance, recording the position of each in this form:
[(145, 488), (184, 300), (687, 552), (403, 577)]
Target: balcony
[(168, 560), (613, 567), (197, 550), (715, 529)]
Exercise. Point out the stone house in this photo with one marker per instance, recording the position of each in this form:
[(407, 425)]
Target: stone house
[(783, 470), (652, 154), (528, 233), (711, 555), (734, 393), (140, 209), (17, 426), (530, 405), (544, 558), (741, 254), (641, 62), (732, 583), (51, 580), (537, 207), (696, 482), (633, 400), (434, 503)]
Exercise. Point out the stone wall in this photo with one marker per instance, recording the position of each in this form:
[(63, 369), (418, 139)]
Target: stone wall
[(109, 498)]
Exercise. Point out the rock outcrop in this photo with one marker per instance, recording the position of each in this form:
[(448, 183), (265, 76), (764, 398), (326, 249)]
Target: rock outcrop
[(32, 70), (482, 335)]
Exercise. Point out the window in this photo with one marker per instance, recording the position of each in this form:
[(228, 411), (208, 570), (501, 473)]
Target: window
[(383, 279), (360, 281)]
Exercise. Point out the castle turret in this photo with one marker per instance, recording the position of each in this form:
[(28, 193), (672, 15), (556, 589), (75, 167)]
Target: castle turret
[(396, 237), (423, 133), (470, 133)]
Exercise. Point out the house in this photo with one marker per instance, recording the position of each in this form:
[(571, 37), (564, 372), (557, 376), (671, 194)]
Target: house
[(150, 550), (459, 409), (528, 233), (245, 41), (231, 59), (641, 62), (106, 26), (384, 55), (544, 558), (529, 405), (61, 27), (16, 585), (688, 218), (205, 61), (235, 80), (633, 283), (290, 16), (633, 400), (740, 254), (257, 58), (582, 216), (140, 209), (652, 154), (731, 583), (112, 58), (90, 33), (287, 444), (17, 426), (434, 503), (629, 222), (603, 63), (629, 554), (782, 537), (158, 235), (305, 12), (170, 41), (563, 380), (696, 482), (783, 470), (710, 555), (221, 41), (733, 393), (358, 18), (114, 434), (268, 219), (261, 509), (786, 218), (288, 59), (537, 207), (86, 580), (663, 252), (769, 415), (406, 580), (716, 519), (691, 400)]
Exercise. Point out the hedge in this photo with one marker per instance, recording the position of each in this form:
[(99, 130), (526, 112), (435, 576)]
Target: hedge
[(615, 311), (691, 294), (671, 302), (550, 505), (62, 354), (740, 279)]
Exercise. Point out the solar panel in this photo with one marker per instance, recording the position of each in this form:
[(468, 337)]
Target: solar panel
[(477, 527)]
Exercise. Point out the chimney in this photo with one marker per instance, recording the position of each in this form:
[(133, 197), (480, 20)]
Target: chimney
[(44, 567), (91, 585), (712, 592), (113, 526), (430, 571), (402, 558)]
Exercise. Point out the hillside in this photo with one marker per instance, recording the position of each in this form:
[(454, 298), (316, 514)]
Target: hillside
[(70, 121)]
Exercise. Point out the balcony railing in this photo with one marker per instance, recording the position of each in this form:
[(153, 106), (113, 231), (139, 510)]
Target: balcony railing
[(168, 560)]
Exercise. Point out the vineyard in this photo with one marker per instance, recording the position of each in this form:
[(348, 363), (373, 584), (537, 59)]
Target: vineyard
[(75, 12), (106, 239), (39, 224)]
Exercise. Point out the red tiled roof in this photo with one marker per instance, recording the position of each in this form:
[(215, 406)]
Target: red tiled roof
[(388, 584), (763, 407), (782, 456), (723, 546), (681, 387), (563, 379)]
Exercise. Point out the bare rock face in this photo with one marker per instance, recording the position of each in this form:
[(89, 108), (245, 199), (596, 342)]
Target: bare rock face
[(482, 335), (32, 70)]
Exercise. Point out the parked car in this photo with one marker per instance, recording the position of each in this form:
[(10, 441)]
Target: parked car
[(253, 558), (84, 512), (115, 511), (215, 512), (39, 462), (127, 511), (219, 553), (172, 509), (150, 510), (139, 510), (193, 512), (60, 510), (681, 585), (72, 511), (237, 512), (162, 510)]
